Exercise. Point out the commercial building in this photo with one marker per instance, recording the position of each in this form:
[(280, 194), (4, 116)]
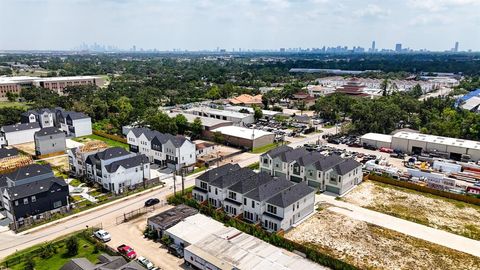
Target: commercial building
[(208, 123), (247, 100), (116, 169), (237, 118), (32, 190), (49, 140), (174, 152), (167, 219), (376, 139), (244, 137), (324, 173), (416, 143), (208, 244), (470, 101), (19, 133), (266, 113)]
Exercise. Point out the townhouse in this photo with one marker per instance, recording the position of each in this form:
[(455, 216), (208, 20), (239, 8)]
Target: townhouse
[(116, 169), (324, 173), (49, 141), (18, 134), (74, 124), (78, 156), (32, 190), (175, 152), (274, 202), (44, 117)]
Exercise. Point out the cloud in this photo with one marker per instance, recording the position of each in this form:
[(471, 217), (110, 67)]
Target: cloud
[(430, 19), (440, 5), (372, 11)]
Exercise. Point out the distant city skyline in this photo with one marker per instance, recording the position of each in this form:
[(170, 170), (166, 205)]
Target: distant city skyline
[(435, 25)]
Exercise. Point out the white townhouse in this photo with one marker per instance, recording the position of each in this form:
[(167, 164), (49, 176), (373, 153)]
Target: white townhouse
[(77, 156), (201, 189), (44, 117), (74, 124), (117, 169), (19, 133), (164, 149), (288, 207)]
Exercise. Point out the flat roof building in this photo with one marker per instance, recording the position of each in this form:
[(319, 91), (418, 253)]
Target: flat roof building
[(245, 137), (169, 218), (236, 118)]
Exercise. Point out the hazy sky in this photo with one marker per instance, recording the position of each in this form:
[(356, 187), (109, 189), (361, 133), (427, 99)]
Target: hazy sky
[(259, 24)]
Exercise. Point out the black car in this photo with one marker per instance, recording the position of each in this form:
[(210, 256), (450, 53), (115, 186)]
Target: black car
[(151, 202)]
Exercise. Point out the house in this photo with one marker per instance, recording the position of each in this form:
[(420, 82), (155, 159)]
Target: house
[(288, 207), (325, 173), (78, 156), (302, 97), (19, 133), (200, 191), (117, 169), (6, 153), (304, 119), (217, 189), (74, 124), (204, 148), (166, 150), (44, 117), (105, 262), (32, 190), (49, 140)]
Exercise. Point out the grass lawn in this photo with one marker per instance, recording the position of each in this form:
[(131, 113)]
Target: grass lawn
[(6, 104), (197, 170), (92, 137), (94, 193), (254, 166), (85, 250), (75, 182), (265, 148)]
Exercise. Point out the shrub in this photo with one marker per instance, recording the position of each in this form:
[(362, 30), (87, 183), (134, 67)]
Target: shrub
[(29, 263), (48, 250), (72, 246)]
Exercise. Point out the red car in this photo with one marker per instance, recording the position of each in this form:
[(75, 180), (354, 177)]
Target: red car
[(127, 251), (386, 150)]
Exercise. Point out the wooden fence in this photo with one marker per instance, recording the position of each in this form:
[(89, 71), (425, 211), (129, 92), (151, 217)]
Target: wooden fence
[(110, 136)]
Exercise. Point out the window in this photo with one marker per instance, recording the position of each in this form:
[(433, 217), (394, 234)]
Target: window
[(203, 185), (266, 223), (57, 204), (25, 201), (216, 191), (34, 199), (253, 204), (272, 209), (244, 201), (16, 203), (298, 205), (293, 207), (265, 161), (232, 195)]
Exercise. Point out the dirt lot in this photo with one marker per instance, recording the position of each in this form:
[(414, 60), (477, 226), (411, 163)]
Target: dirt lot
[(28, 148), (437, 212), (371, 247), (60, 162), (131, 233)]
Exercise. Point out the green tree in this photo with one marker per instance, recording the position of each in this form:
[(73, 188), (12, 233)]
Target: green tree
[(160, 121), (182, 123), (196, 127), (29, 263), (257, 113), (416, 91), (213, 93), (218, 137), (72, 246)]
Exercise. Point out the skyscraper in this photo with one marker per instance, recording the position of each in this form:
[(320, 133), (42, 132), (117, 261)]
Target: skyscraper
[(456, 47), (398, 47), (373, 46)]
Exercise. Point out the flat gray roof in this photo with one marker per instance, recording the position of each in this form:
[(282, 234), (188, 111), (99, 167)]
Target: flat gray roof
[(206, 121)]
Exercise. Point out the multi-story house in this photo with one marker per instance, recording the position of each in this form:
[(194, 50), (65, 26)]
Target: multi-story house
[(288, 207), (49, 140), (117, 169), (78, 156), (74, 124), (19, 133), (200, 191), (175, 152), (44, 117), (32, 190), (217, 189), (325, 173)]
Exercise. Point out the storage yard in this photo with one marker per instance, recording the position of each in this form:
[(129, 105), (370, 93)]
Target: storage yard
[(434, 211), (371, 247)]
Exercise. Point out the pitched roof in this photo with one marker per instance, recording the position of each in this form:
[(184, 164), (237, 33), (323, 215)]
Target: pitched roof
[(310, 158), (20, 127), (75, 115), (161, 137), (294, 154), (278, 151), (233, 177), (106, 263), (4, 152), (269, 189), (29, 189), (328, 162), (346, 166), (48, 131), (251, 183), (29, 171), (291, 194), (215, 173), (112, 152), (127, 163)]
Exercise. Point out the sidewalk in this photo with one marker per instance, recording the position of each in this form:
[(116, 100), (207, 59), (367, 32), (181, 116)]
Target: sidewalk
[(413, 229)]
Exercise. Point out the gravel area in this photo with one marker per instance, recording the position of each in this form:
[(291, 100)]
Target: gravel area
[(437, 212), (371, 247)]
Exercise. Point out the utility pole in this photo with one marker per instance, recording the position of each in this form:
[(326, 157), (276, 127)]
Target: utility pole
[(175, 183), (183, 181)]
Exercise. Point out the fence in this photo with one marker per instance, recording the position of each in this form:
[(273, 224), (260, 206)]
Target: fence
[(28, 222), (408, 185), (109, 136), (136, 213)]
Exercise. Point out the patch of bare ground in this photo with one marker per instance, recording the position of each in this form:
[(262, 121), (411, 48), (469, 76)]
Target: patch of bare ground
[(371, 247), (430, 210)]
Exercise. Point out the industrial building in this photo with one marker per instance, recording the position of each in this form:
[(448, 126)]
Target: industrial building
[(244, 137), (237, 118), (207, 122), (208, 244), (416, 143)]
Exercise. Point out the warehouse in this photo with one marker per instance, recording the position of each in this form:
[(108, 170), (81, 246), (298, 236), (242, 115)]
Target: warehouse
[(377, 140), (237, 118), (244, 137), (416, 143), (208, 244), (207, 122)]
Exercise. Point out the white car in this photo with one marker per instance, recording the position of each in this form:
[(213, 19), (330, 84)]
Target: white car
[(102, 235), (145, 262)]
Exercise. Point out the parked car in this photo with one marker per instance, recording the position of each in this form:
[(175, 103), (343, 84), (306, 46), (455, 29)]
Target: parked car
[(146, 263), (370, 147), (386, 150), (102, 235), (127, 251), (175, 250), (151, 201)]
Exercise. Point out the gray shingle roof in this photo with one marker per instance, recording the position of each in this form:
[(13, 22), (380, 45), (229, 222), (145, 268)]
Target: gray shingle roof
[(293, 154), (20, 127), (127, 163), (29, 171), (48, 131), (277, 151), (310, 158), (112, 152), (346, 166), (251, 183), (4, 152), (29, 189), (291, 195), (74, 115), (268, 189), (233, 177), (328, 162), (215, 173), (161, 137)]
